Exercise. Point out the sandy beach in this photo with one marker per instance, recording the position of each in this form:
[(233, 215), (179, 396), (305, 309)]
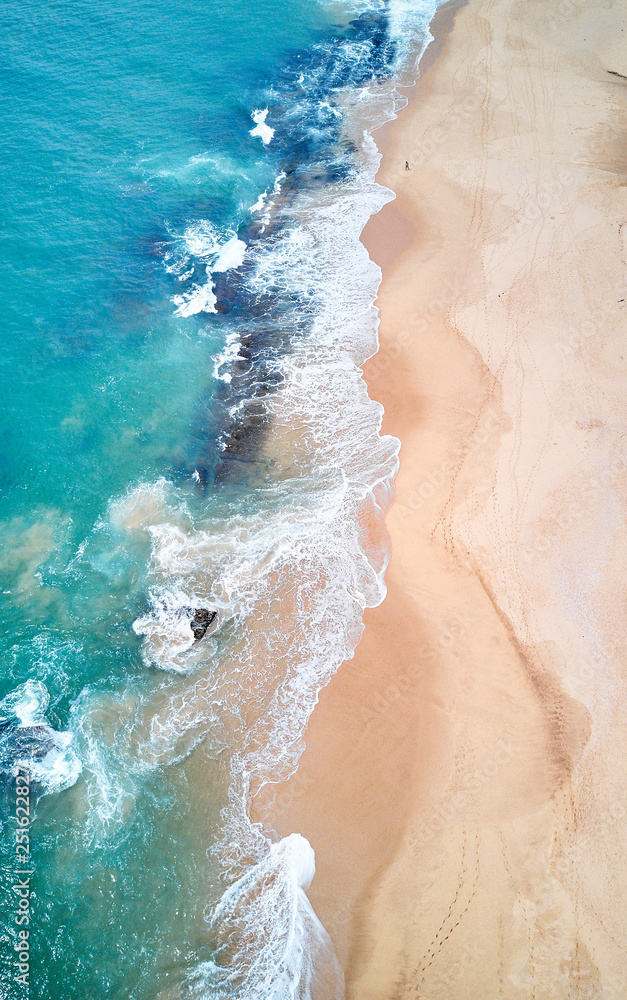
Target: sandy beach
[(464, 784)]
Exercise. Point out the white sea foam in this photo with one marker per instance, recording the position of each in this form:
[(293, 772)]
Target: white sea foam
[(29, 703), (200, 298), (167, 628), (223, 360), (230, 256), (290, 575), (60, 768), (268, 941), (263, 205), (49, 755), (102, 726), (220, 251), (409, 22), (264, 131), (259, 204), (254, 692)]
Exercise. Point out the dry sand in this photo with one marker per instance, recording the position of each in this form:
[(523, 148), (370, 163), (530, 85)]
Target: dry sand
[(465, 778)]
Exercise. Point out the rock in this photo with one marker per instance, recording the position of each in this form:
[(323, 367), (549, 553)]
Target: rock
[(202, 620), (25, 743)]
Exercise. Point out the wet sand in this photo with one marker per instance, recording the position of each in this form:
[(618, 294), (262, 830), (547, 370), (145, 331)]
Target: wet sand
[(464, 784)]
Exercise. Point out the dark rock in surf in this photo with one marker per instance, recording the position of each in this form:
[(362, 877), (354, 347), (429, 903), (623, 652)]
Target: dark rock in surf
[(202, 620), (25, 743)]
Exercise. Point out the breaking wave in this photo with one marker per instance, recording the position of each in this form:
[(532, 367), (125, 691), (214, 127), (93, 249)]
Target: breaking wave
[(275, 535)]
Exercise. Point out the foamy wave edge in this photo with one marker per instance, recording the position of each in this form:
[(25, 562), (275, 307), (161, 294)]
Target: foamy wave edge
[(268, 942)]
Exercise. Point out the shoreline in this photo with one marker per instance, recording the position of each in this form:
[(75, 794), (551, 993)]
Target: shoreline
[(386, 242), (460, 766)]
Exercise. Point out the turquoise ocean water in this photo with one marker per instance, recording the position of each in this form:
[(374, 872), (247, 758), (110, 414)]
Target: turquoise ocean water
[(185, 305)]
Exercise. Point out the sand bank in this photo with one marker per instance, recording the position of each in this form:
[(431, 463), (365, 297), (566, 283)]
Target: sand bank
[(464, 783)]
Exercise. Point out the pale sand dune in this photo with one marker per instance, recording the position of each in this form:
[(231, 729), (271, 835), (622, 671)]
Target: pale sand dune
[(465, 778)]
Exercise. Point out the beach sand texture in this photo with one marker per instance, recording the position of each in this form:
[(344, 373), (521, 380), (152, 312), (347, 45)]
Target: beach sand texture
[(464, 784)]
